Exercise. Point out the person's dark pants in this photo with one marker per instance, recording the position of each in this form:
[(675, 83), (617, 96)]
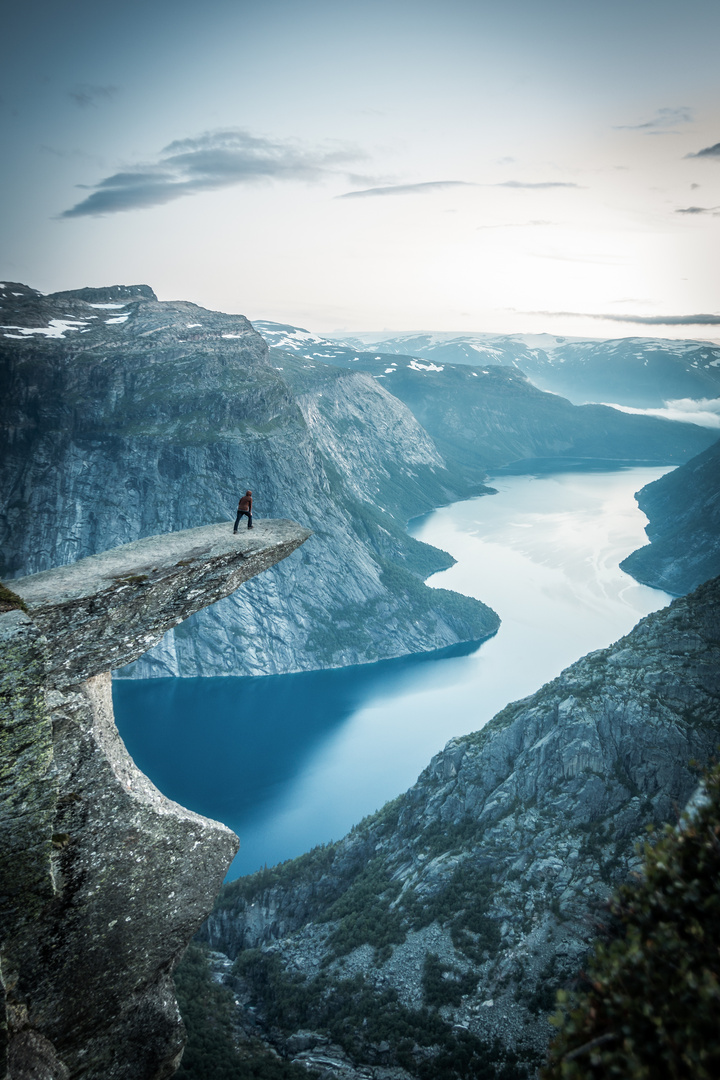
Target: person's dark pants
[(242, 513)]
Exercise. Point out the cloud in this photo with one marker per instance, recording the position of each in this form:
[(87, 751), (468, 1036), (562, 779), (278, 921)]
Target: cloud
[(406, 189), (664, 122), (708, 151), (699, 210), (439, 185), (514, 225), (542, 184), (705, 412), (643, 320), (207, 162), (84, 94)]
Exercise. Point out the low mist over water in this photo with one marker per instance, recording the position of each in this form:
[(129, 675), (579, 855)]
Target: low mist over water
[(290, 761)]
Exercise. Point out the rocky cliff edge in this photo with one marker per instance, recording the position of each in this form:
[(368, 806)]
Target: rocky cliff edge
[(103, 880)]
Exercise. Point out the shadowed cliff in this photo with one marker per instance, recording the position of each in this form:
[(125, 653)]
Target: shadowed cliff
[(103, 881), (683, 509)]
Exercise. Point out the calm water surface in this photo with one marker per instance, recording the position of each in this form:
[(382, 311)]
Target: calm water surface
[(290, 761)]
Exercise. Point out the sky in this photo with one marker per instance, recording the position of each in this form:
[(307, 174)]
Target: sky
[(398, 165)]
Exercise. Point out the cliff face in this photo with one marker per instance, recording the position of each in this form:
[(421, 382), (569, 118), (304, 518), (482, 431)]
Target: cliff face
[(103, 881), (463, 905), (127, 420), (683, 509)]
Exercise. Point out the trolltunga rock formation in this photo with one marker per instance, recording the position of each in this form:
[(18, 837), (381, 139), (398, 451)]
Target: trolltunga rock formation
[(103, 881)]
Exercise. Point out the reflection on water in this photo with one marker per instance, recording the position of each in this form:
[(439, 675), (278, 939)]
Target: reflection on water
[(289, 761)]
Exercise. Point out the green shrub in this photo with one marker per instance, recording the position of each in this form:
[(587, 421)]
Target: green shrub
[(10, 601), (365, 916), (649, 1007), (360, 1017), (443, 984)]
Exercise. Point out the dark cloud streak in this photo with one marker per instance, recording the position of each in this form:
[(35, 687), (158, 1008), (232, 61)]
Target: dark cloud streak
[(663, 123), (429, 186), (699, 210), (406, 189), (643, 320), (707, 152), (208, 162)]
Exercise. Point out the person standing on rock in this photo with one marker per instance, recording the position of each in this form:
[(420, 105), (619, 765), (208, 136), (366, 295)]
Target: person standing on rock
[(244, 508)]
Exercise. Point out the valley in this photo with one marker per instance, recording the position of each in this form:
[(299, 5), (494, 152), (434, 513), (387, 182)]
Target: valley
[(334, 746), (436, 932)]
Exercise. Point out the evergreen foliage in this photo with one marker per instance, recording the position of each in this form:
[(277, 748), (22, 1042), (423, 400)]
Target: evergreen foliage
[(365, 915), (445, 985), (211, 1052), (372, 1025), (649, 1007)]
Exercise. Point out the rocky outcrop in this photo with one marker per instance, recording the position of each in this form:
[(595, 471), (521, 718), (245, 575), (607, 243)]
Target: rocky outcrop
[(469, 900), (683, 509), (103, 880), (123, 417)]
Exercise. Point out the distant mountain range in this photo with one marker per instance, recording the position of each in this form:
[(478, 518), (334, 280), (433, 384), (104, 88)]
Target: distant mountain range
[(636, 372)]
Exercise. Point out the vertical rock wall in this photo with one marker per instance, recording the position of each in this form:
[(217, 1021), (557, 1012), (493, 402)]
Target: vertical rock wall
[(103, 880)]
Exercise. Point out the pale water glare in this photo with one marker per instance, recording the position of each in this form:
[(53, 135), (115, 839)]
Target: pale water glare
[(543, 552)]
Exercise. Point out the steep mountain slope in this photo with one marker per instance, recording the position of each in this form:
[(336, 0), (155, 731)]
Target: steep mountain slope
[(124, 417), (494, 416), (432, 938), (683, 509)]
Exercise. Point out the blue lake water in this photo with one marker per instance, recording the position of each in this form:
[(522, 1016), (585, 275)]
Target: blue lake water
[(291, 761)]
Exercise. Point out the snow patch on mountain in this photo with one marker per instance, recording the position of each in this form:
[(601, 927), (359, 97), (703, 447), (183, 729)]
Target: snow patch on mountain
[(56, 329)]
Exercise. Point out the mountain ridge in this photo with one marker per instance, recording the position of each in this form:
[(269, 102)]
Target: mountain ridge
[(120, 421), (632, 371)]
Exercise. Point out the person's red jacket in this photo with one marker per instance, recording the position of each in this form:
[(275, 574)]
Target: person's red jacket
[(245, 504)]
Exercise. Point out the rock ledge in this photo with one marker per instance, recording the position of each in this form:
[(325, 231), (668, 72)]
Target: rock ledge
[(103, 881)]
